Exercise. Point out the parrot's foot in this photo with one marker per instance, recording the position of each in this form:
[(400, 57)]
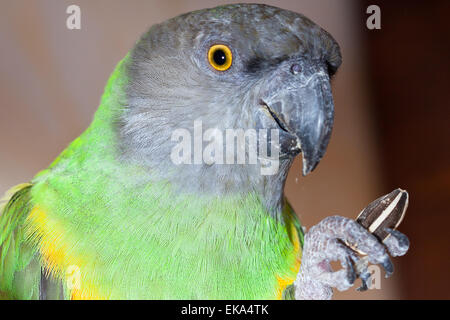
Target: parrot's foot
[(326, 242)]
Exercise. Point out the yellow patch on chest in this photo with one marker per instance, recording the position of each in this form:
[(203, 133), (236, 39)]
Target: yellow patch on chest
[(286, 280), (48, 236)]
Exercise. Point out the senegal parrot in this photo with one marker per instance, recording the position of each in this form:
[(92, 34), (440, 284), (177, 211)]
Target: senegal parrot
[(115, 216)]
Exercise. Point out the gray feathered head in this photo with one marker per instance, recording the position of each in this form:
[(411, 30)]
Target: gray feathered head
[(236, 66)]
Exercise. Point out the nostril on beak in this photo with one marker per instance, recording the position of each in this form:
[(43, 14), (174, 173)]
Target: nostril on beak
[(295, 68)]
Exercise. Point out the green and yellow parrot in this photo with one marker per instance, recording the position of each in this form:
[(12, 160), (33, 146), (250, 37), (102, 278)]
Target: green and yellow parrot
[(116, 216)]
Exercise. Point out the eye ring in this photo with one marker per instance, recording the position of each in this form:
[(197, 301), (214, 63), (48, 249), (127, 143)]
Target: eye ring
[(220, 57)]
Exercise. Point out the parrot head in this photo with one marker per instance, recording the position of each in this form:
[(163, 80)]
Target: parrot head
[(235, 66)]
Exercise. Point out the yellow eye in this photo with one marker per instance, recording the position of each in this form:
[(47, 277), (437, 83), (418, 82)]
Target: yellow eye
[(220, 57)]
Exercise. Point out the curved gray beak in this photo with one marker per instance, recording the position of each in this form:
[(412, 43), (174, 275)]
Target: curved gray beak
[(312, 121), (304, 110)]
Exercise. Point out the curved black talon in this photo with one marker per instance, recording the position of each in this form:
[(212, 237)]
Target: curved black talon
[(351, 273), (388, 267), (365, 279)]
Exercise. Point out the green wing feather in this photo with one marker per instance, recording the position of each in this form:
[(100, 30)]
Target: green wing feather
[(21, 275), (20, 272)]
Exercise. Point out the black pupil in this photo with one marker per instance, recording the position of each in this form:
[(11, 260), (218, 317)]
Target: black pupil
[(219, 57)]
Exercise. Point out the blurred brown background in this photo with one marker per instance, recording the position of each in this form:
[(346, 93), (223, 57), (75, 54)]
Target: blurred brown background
[(391, 97)]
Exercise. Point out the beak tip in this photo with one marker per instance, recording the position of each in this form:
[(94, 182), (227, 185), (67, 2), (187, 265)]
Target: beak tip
[(308, 166), (312, 155)]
